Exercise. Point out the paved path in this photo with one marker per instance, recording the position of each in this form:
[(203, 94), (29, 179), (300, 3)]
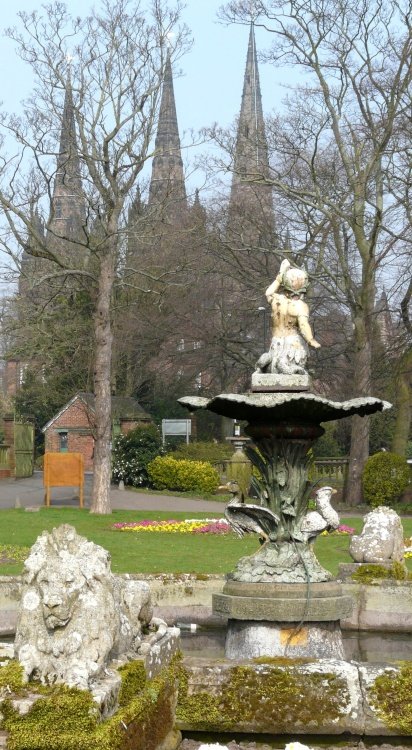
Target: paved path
[(30, 492)]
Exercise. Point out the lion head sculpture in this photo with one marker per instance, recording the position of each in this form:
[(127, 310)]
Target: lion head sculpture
[(74, 615)]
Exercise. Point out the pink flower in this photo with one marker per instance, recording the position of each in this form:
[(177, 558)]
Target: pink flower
[(343, 529)]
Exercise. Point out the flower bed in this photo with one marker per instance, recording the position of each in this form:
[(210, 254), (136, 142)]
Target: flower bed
[(341, 530), (197, 526), (189, 526)]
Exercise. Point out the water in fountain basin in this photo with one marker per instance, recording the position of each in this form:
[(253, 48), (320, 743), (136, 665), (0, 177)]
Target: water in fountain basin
[(366, 647)]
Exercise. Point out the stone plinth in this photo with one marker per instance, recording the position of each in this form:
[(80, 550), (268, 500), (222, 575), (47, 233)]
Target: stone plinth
[(252, 640), (283, 619), (267, 383), (319, 602)]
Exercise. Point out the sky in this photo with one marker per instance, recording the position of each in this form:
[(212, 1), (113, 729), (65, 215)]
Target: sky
[(209, 88)]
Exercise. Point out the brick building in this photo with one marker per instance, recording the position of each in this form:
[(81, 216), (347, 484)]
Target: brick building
[(71, 429)]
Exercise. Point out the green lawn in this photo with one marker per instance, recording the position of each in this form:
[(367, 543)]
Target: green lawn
[(156, 553)]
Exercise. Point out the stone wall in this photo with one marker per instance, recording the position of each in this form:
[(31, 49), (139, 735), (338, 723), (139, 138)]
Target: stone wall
[(10, 594), (385, 607), (188, 598)]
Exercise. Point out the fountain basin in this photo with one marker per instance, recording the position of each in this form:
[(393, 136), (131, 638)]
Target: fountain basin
[(274, 407)]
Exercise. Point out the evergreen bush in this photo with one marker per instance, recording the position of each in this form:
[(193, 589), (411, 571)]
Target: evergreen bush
[(133, 452), (167, 473), (385, 477)]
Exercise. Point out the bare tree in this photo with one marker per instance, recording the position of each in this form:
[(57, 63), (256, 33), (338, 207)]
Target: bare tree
[(403, 380), (336, 148), (107, 70)]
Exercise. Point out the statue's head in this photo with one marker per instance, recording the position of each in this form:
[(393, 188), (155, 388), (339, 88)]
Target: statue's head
[(295, 280), (59, 591), (61, 568)]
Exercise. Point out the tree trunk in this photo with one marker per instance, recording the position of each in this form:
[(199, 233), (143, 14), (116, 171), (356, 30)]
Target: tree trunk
[(403, 406), (102, 388), (359, 447)]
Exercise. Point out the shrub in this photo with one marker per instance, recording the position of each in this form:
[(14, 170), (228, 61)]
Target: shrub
[(212, 452), (133, 452), (384, 478), (328, 446), (167, 473)]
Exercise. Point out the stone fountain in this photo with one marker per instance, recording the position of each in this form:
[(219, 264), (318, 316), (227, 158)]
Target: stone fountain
[(280, 601)]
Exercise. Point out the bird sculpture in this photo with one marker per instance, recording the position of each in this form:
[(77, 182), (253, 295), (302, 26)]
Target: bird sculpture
[(245, 518), (325, 518)]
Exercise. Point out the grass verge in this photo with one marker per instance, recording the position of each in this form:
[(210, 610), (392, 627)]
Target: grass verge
[(147, 552)]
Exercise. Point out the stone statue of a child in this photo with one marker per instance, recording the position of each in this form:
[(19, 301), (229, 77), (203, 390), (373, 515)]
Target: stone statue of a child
[(291, 331)]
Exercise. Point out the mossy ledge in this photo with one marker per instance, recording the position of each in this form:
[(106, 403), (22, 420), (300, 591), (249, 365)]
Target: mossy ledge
[(67, 718), (372, 574), (263, 695), (391, 696)]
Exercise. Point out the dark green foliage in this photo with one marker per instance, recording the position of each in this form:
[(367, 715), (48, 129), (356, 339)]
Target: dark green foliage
[(385, 477), (327, 446), (133, 452), (381, 430), (43, 394), (57, 339)]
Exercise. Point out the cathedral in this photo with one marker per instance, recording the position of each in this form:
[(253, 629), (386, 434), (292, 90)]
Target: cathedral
[(166, 218)]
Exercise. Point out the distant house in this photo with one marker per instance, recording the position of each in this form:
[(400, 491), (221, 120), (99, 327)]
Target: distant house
[(71, 429)]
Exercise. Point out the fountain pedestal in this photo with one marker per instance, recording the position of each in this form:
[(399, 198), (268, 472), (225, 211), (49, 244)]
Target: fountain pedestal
[(283, 619), (280, 601)]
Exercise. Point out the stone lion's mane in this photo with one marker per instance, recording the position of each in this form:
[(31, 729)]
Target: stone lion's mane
[(77, 652), (63, 543)]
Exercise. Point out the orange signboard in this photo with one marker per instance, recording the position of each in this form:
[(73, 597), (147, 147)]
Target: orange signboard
[(63, 470)]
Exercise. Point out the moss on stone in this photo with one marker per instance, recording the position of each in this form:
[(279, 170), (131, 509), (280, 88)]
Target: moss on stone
[(264, 697), (65, 720), (399, 571), (391, 695), (68, 719), (11, 676), (371, 574), (134, 679), (282, 661), (198, 709)]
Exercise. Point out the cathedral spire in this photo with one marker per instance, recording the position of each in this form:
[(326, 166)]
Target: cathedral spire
[(167, 185), (251, 160), (68, 214)]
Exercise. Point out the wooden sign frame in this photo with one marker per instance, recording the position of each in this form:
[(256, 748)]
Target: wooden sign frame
[(63, 470)]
